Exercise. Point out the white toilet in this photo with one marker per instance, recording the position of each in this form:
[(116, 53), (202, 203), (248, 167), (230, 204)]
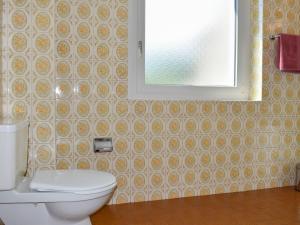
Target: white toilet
[(50, 197)]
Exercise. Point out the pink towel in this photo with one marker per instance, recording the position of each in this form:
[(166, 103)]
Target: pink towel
[(288, 53)]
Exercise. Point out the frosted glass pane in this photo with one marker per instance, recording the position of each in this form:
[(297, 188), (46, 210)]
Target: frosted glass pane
[(190, 42)]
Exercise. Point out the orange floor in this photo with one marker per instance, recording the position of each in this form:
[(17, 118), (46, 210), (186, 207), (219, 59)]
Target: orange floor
[(266, 207)]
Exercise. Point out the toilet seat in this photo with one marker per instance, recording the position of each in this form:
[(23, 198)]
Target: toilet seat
[(24, 194), (72, 181)]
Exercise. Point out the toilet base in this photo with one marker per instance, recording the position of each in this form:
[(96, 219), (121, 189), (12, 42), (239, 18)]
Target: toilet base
[(33, 214), (87, 221)]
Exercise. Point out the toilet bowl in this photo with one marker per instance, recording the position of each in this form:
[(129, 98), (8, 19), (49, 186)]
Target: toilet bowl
[(50, 197), (55, 199)]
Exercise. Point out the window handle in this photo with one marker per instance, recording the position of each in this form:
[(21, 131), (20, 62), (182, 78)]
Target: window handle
[(140, 47)]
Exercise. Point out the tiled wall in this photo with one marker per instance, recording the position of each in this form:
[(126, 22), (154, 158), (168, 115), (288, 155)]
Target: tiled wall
[(65, 67)]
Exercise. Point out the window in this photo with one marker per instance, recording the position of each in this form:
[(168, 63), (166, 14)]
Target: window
[(181, 47), (191, 49)]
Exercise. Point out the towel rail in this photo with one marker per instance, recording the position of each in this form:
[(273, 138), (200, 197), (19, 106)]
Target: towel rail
[(274, 37)]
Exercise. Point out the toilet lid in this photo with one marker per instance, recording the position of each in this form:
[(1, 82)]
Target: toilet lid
[(75, 181)]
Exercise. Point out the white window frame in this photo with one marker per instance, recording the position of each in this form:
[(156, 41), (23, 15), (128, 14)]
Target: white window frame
[(138, 90)]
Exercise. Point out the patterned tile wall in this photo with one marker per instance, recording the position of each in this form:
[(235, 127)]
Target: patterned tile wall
[(65, 67)]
